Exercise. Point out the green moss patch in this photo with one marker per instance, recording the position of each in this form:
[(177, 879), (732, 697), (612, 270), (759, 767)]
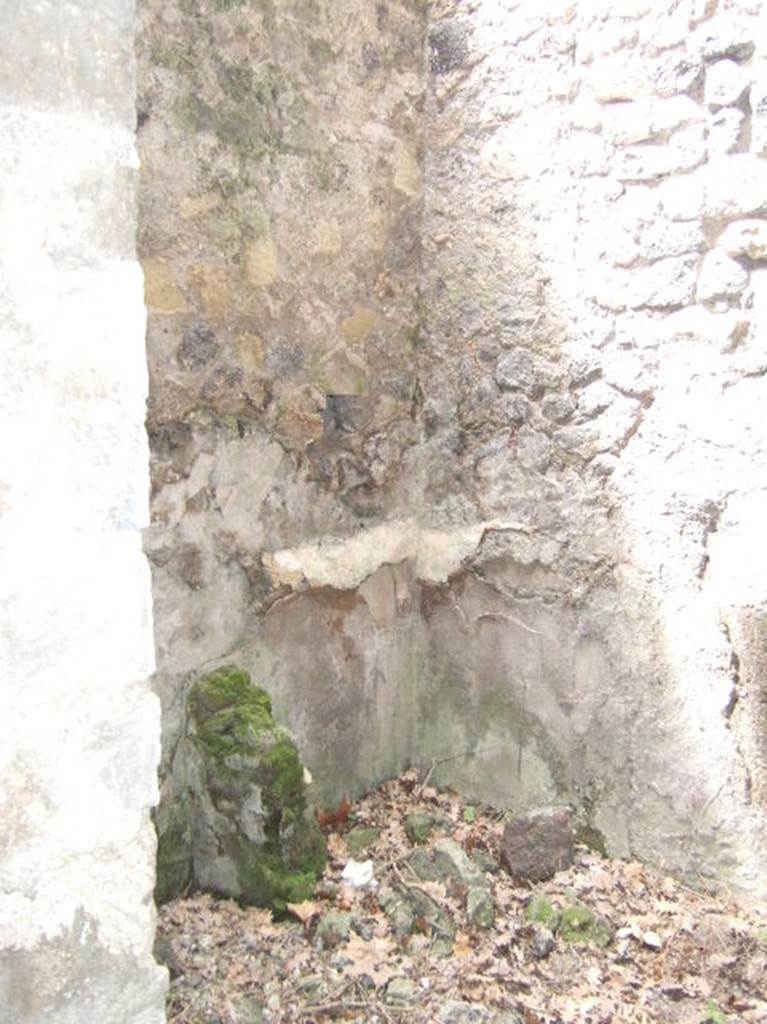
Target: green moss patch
[(579, 924), (541, 911), (359, 839)]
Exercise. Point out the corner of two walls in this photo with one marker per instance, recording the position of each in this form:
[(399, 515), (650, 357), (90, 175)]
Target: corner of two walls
[(454, 344)]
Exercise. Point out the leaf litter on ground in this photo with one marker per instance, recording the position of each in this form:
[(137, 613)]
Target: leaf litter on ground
[(667, 953)]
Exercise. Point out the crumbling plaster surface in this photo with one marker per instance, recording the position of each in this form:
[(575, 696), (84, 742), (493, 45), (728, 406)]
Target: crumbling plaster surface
[(81, 728), (531, 530)]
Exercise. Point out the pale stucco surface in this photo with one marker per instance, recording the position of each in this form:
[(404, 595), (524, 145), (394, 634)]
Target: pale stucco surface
[(80, 726)]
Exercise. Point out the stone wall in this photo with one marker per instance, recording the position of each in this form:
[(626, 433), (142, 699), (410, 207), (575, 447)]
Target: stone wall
[(80, 728), (454, 343), (593, 290)]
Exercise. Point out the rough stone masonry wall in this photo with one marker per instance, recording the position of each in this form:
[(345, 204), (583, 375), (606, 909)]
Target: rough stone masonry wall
[(80, 728), (280, 217), (520, 517)]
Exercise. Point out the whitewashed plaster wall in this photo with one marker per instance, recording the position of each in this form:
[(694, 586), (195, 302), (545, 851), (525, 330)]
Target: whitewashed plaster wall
[(595, 264), (80, 727)]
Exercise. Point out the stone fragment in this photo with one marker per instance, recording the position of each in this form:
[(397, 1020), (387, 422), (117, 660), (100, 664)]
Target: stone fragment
[(537, 845), (723, 37), (697, 323), (484, 860), (595, 399), (683, 198), (418, 827), (533, 449), (735, 186), (334, 928), (759, 113), (261, 263), (664, 238), (580, 438), (341, 372), (423, 865), (247, 1009), (700, 10), (451, 861), (356, 327), (299, 419), (457, 1012), (650, 118), (721, 277), (605, 464), (669, 282), (161, 292), (726, 82), (209, 283), (165, 954), (558, 408), (400, 990), (243, 821), (745, 238), (615, 79), (725, 128), (480, 909), (543, 942), (515, 408), (310, 983), (685, 150), (198, 347), (515, 371), (401, 917), (677, 73), (408, 176), (448, 46)]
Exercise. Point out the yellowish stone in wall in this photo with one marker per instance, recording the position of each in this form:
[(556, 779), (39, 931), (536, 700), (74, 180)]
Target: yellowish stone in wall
[(407, 174), (250, 351), (161, 293), (341, 372), (356, 327), (210, 283), (192, 206), (261, 263), (327, 238)]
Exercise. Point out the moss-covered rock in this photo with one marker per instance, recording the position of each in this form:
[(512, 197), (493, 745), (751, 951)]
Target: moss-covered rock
[(418, 827), (541, 911), (359, 839), (579, 924), (245, 804)]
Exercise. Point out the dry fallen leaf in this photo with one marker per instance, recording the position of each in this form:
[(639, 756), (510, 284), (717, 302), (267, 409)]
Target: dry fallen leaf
[(369, 959), (462, 945), (337, 847), (305, 911)]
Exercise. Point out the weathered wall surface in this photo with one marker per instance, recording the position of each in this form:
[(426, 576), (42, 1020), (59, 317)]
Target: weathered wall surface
[(280, 219), (520, 515), (80, 727), (627, 360), (594, 291)]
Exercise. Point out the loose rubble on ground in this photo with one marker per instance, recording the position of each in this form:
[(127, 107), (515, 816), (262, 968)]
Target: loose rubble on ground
[(434, 910)]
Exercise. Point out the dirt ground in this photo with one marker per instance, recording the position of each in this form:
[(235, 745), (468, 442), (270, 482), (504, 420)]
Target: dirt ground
[(605, 941)]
